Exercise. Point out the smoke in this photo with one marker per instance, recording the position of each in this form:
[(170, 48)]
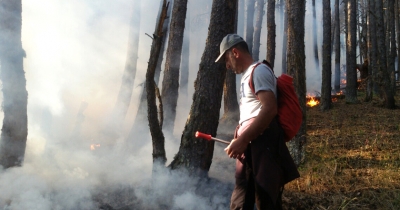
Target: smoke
[(76, 52)]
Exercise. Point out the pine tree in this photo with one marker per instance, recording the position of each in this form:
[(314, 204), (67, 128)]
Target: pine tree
[(15, 97), (195, 154), (326, 95), (296, 68)]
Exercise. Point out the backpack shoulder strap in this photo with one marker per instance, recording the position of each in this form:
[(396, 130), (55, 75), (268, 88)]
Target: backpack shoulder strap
[(251, 82)]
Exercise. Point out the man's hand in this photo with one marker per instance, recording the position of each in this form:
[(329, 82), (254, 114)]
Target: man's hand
[(236, 148)]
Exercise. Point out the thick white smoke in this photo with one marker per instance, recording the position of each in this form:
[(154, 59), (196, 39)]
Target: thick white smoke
[(76, 52)]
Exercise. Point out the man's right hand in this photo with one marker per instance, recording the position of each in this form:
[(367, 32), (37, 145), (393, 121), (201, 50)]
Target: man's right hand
[(236, 148)]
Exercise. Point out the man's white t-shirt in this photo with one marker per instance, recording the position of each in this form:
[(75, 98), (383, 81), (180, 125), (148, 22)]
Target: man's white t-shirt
[(264, 79)]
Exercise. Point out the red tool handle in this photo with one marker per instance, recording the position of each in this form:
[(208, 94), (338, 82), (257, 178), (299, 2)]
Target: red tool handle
[(208, 137), (203, 135)]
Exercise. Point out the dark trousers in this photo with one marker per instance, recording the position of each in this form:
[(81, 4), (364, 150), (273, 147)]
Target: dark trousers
[(247, 192)]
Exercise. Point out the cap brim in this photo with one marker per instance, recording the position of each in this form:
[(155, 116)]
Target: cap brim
[(220, 57)]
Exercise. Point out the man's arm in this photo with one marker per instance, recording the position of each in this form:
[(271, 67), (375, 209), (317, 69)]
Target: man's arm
[(268, 111)]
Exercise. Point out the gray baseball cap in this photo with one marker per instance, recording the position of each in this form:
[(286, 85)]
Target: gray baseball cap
[(227, 42)]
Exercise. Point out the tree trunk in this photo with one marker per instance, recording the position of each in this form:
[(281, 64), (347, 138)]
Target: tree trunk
[(164, 41), (351, 45), (170, 83), (140, 132), (386, 20), (326, 95), (196, 154), (363, 32), (154, 124), (230, 119), (372, 50), (257, 29), (358, 32), (383, 78), (337, 48), (284, 39), (392, 46), (128, 77), (271, 27), (333, 25), (249, 23), (397, 18), (315, 36), (15, 97), (296, 68)]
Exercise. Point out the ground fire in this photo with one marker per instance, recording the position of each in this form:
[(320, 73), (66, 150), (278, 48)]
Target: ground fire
[(312, 101)]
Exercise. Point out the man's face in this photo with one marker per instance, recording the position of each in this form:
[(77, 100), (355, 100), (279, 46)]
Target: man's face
[(230, 62)]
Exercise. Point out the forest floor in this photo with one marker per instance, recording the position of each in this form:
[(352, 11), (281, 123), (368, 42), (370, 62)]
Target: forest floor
[(352, 159)]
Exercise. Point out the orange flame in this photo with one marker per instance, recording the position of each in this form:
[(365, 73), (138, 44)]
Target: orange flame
[(312, 101)]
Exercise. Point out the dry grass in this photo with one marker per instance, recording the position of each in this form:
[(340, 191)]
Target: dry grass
[(352, 159)]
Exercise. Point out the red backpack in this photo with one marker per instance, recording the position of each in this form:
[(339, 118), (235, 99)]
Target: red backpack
[(290, 115)]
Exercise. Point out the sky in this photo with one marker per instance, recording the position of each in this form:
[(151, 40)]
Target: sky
[(76, 52)]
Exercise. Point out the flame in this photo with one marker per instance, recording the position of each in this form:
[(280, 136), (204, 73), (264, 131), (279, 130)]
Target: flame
[(311, 101), (94, 146), (334, 99)]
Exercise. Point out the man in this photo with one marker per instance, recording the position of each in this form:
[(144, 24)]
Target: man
[(263, 164)]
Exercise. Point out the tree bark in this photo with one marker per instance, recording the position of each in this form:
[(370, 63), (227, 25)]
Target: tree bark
[(128, 77), (337, 48), (257, 29), (165, 28), (230, 118), (135, 141), (284, 39), (15, 97), (249, 23), (383, 78), (351, 45), (372, 49), (326, 96), (195, 154), (358, 33), (154, 124), (296, 68), (315, 36), (397, 18), (271, 27), (170, 83), (363, 32), (392, 45)]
